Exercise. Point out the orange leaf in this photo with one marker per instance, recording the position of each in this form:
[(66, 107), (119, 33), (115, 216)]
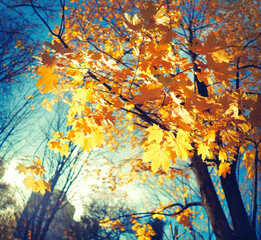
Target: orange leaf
[(58, 47), (223, 169), (229, 136), (54, 145), (149, 92), (184, 217), (48, 79)]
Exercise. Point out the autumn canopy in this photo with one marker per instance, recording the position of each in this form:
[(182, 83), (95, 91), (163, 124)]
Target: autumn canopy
[(179, 80)]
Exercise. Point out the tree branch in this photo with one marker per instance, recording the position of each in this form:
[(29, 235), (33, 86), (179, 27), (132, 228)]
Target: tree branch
[(147, 214)]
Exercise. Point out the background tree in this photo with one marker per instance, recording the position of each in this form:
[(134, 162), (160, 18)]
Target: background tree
[(17, 44), (63, 170), (9, 208), (171, 77), (19, 101), (96, 210), (18, 96), (45, 14)]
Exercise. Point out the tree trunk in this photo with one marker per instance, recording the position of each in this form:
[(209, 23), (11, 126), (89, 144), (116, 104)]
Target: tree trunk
[(210, 200), (58, 203), (236, 207), (44, 205)]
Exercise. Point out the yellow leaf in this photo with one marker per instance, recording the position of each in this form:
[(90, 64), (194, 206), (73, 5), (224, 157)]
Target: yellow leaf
[(88, 144), (83, 95), (29, 182), (159, 215), (203, 150), (160, 18), (223, 169), (221, 56), (229, 136), (158, 157), (222, 155), (43, 186), (57, 135), (47, 104), (79, 138), (155, 133), (180, 144), (211, 136), (97, 138), (48, 79), (134, 22), (64, 151), (21, 168)]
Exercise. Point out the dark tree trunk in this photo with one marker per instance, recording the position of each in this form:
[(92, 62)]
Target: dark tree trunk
[(236, 207), (210, 200)]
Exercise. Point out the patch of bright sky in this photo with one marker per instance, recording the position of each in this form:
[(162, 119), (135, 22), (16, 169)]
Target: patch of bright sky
[(132, 194)]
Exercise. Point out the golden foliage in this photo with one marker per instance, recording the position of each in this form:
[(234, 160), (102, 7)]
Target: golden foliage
[(142, 69)]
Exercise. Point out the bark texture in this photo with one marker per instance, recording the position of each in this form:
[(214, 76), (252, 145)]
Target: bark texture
[(210, 200), (236, 207)]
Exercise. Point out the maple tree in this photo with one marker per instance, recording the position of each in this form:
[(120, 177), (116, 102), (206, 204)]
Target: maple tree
[(180, 79)]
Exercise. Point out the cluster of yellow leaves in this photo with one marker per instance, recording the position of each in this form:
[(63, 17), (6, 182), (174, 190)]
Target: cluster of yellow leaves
[(183, 217), (59, 144), (185, 116), (158, 213), (107, 223), (143, 231), (35, 180), (100, 81), (163, 146)]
